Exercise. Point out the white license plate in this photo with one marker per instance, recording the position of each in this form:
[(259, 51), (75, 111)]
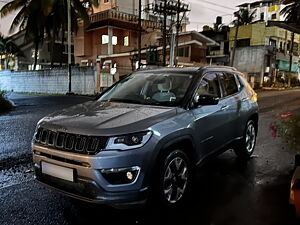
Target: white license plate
[(58, 171)]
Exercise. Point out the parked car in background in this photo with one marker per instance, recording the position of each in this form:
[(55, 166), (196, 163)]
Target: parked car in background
[(144, 136)]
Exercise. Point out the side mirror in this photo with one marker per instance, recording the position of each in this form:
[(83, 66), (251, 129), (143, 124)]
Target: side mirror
[(207, 100)]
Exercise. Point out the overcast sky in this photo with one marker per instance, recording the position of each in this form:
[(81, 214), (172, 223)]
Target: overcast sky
[(204, 12)]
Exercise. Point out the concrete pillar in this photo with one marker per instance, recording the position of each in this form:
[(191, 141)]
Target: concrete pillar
[(110, 45)]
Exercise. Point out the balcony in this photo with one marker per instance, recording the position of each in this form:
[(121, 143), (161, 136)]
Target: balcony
[(119, 19), (216, 53)]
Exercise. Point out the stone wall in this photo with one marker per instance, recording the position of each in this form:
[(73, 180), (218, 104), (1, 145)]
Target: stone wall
[(52, 81)]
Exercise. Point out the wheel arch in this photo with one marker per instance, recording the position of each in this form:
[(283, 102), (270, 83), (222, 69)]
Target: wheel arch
[(184, 143)]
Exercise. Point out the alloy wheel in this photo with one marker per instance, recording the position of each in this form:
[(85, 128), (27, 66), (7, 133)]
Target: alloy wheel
[(175, 180), (250, 137)]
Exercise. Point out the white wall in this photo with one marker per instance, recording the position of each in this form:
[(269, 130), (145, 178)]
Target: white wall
[(54, 81)]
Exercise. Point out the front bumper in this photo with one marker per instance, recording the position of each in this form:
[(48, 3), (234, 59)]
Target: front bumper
[(89, 191), (89, 184)]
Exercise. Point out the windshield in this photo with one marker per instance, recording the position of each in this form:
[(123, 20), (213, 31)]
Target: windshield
[(167, 89)]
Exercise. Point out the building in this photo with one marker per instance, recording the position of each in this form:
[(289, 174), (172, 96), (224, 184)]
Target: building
[(263, 52), (113, 34), (110, 41), (265, 10), (218, 54), (26, 62), (132, 7)]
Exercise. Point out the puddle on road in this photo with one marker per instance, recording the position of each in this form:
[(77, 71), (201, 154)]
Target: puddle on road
[(16, 175)]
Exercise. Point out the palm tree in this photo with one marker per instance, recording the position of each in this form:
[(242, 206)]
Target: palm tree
[(7, 49), (30, 18), (56, 22), (243, 17), (292, 15), (38, 16), (291, 11)]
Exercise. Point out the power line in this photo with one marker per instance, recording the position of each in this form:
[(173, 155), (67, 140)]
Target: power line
[(215, 10), (216, 4)]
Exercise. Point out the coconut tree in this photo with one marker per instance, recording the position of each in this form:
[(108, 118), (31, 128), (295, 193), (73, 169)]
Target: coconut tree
[(243, 17), (38, 16), (56, 22), (30, 18), (292, 15)]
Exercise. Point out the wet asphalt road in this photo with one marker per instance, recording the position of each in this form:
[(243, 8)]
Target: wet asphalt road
[(227, 191)]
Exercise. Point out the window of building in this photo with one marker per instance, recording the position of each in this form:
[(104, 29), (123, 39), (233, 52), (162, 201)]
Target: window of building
[(184, 52), (281, 46), (126, 41), (105, 39), (262, 16), (243, 42), (114, 40), (272, 42), (288, 46), (274, 17)]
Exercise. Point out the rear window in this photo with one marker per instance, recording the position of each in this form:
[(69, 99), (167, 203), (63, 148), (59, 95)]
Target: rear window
[(229, 84)]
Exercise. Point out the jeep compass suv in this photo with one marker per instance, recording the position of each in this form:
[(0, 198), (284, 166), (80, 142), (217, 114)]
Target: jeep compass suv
[(145, 135)]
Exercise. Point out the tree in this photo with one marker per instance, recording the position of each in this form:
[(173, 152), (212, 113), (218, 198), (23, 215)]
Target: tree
[(292, 15), (39, 16), (8, 49), (291, 11), (30, 17), (243, 17), (56, 22)]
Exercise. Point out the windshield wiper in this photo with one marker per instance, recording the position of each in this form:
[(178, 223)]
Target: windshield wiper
[(125, 100)]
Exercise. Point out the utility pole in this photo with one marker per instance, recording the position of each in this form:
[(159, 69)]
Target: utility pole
[(170, 8), (140, 34), (177, 32), (235, 38), (165, 33), (69, 46), (291, 59)]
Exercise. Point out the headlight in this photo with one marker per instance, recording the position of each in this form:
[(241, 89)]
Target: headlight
[(129, 141)]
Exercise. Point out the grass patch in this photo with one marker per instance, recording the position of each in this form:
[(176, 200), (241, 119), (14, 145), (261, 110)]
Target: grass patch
[(5, 105)]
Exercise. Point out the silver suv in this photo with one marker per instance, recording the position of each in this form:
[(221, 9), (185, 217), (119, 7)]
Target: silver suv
[(145, 135)]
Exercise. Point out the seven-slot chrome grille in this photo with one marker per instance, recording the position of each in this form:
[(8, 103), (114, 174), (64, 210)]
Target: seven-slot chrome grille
[(82, 144)]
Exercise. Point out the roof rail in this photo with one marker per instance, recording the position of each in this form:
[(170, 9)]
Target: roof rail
[(213, 66)]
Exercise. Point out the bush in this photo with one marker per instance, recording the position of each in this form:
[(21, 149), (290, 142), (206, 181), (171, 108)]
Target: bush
[(5, 105), (288, 128)]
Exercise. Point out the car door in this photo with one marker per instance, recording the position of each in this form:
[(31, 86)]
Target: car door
[(209, 119), (230, 105)]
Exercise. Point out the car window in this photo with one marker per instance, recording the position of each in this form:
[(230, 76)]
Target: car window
[(228, 83), (151, 88), (209, 85)]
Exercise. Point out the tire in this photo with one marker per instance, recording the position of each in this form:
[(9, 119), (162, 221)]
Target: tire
[(244, 148), (173, 185)]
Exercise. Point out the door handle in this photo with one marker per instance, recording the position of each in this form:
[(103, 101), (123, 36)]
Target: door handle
[(225, 107)]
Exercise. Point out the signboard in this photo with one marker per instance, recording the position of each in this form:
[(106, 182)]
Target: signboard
[(106, 80), (284, 66)]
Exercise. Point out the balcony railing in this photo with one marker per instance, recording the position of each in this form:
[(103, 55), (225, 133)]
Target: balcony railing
[(120, 16)]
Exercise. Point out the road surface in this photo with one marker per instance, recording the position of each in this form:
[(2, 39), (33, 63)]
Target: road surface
[(227, 192)]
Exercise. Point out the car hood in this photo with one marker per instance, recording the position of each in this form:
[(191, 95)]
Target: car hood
[(107, 118)]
